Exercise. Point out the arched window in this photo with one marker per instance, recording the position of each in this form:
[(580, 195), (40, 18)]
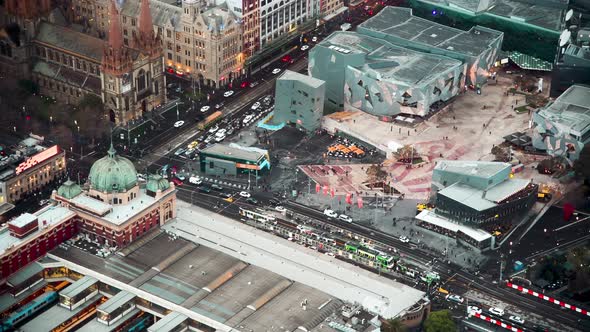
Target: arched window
[(141, 84)]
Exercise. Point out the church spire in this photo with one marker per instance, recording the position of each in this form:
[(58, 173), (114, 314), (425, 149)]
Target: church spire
[(115, 31), (115, 58), (146, 41)]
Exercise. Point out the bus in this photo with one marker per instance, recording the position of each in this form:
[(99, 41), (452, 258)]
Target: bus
[(257, 216), (210, 120)]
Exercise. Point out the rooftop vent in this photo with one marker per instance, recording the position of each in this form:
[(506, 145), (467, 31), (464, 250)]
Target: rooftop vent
[(434, 35)]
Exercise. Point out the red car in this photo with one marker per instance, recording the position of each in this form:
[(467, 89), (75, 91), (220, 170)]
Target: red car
[(177, 181)]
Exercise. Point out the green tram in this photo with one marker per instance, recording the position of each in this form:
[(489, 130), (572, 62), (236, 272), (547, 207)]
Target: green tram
[(374, 255)]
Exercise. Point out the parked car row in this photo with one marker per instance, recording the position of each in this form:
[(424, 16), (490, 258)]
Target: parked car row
[(332, 214)]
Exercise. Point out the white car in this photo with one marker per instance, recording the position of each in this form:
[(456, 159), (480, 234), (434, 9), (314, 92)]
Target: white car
[(331, 254), (276, 71), (454, 298), (213, 129), (178, 124), (195, 180), (255, 106), (404, 239), (330, 213), (473, 310), (245, 194), (280, 208), (346, 218), (228, 93), (221, 132), (314, 39), (248, 119), (516, 319), (141, 177), (205, 108), (496, 311), (219, 138), (209, 139), (304, 47)]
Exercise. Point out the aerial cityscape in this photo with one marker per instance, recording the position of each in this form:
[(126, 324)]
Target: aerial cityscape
[(291, 165)]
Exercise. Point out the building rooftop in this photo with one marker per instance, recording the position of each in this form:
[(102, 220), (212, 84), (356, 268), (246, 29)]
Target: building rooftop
[(399, 23), (168, 322), (23, 220), (116, 302), (163, 13), (484, 169), (71, 40), (391, 62), (570, 112), (432, 218), (525, 12), (116, 214), (480, 200), (27, 157), (235, 151), (306, 79), (54, 316), (50, 215)]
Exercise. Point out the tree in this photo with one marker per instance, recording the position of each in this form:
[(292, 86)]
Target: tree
[(500, 153), (28, 86), (582, 165), (393, 325), (376, 174), (440, 321), (406, 154)]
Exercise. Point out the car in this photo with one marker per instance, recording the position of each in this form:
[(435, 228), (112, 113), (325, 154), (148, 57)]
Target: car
[(216, 187), (178, 90), (276, 71), (253, 84), (195, 180), (255, 106), (178, 124), (330, 213), (209, 139), (248, 119), (219, 105), (314, 39), (225, 195), (179, 152), (516, 319), (473, 310), (230, 130), (331, 254), (496, 311), (252, 200), (280, 209), (219, 138), (192, 145), (228, 93), (43, 202), (221, 132), (454, 298), (213, 129), (346, 218), (404, 239), (176, 181), (286, 58), (205, 108), (205, 189), (180, 176), (304, 47), (245, 194)]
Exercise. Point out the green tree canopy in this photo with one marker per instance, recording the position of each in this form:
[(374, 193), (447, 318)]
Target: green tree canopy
[(440, 321), (393, 325), (582, 165)]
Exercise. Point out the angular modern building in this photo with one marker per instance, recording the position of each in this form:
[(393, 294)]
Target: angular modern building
[(299, 100), (380, 78), (562, 128), (477, 192), (476, 48)]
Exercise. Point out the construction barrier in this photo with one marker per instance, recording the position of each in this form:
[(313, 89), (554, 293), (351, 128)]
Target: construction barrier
[(548, 298), (498, 322)]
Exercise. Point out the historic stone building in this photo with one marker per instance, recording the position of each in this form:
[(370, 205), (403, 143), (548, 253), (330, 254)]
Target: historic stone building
[(67, 63)]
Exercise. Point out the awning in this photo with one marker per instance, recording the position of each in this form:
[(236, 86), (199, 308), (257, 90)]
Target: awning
[(336, 13), (528, 62)]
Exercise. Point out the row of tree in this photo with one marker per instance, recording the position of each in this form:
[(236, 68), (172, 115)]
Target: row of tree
[(437, 321)]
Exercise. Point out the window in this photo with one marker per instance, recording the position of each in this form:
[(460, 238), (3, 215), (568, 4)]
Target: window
[(133, 21), (141, 84), (211, 164)]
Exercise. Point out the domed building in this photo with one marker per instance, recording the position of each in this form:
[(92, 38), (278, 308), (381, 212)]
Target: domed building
[(114, 209)]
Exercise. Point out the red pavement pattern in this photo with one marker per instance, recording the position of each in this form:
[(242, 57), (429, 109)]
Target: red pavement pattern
[(548, 298), (497, 322)]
